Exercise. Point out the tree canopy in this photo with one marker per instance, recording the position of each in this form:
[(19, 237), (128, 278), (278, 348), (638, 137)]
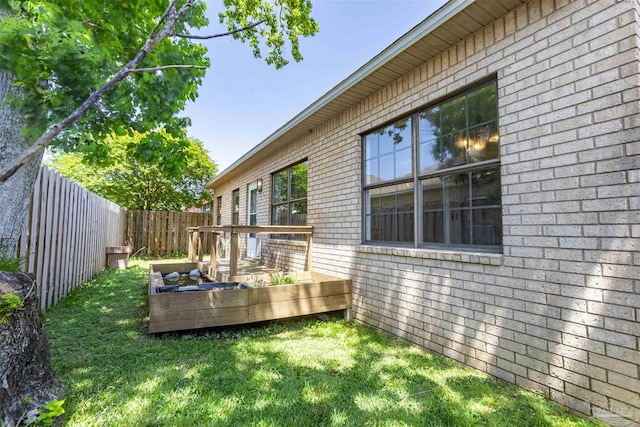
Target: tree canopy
[(142, 185), (92, 68)]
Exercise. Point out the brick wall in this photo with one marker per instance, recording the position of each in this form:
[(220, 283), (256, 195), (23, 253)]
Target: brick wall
[(559, 310)]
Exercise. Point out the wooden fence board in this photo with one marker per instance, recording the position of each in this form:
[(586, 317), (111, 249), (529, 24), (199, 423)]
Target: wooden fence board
[(64, 239), (159, 233)]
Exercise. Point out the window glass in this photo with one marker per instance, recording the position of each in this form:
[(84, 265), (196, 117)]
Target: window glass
[(388, 153), (299, 181), (458, 226), (461, 201), (457, 191), (372, 175), (452, 150), (486, 187), (280, 215), (235, 204), (453, 116), (482, 105), (298, 213), (390, 213), (289, 201), (219, 211), (281, 186), (483, 142), (487, 226)]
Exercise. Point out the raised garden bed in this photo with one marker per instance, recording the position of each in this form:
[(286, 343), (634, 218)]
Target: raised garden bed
[(173, 311)]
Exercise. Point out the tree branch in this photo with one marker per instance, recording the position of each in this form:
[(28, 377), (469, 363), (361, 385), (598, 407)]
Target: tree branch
[(213, 36), (172, 17), (171, 6), (165, 67)]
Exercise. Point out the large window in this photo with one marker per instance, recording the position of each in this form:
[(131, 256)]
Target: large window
[(235, 206), (433, 178), (219, 210), (289, 196)]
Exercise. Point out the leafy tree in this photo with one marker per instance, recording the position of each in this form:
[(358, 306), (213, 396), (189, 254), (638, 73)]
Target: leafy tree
[(133, 184), (73, 72)]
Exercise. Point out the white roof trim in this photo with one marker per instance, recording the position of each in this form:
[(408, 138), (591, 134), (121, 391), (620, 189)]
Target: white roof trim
[(436, 19)]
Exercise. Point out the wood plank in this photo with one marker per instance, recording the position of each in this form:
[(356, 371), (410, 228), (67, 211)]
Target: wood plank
[(214, 251), (70, 260), (200, 248), (178, 302), (42, 286), (309, 260), (34, 226), (275, 229), (180, 267), (233, 255), (301, 307), (271, 294), (53, 250), (199, 319), (64, 238), (170, 227), (325, 288)]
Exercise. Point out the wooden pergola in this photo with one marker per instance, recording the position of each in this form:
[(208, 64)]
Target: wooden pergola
[(196, 252)]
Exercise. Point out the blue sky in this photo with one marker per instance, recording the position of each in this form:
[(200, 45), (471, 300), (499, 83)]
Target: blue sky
[(242, 100)]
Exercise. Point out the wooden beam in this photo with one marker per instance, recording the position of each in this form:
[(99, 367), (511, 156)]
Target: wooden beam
[(309, 266), (200, 248), (214, 248), (190, 246), (275, 229), (233, 256)]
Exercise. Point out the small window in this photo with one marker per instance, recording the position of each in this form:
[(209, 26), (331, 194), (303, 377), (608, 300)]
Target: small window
[(219, 210), (289, 197), (235, 207)]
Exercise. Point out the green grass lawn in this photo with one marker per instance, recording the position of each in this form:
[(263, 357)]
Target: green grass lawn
[(297, 373)]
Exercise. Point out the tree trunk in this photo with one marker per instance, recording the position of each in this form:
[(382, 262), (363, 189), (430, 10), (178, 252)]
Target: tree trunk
[(26, 379), (15, 194)]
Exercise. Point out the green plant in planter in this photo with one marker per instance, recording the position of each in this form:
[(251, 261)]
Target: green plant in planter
[(255, 282), (9, 303), (279, 278)]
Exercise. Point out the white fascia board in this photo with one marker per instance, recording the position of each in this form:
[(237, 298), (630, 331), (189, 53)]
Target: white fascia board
[(436, 19)]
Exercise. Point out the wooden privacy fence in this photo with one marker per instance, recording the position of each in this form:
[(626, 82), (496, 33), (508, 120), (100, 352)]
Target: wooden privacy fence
[(160, 233), (66, 234)]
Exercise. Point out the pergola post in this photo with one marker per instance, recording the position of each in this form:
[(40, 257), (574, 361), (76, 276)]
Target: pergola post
[(309, 265), (214, 253), (233, 256), (200, 248), (191, 249)]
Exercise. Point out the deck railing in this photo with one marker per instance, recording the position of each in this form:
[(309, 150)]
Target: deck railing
[(196, 250)]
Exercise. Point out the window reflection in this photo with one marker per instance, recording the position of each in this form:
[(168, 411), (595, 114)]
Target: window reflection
[(460, 131), (461, 199), (289, 200), (390, 213), (455, 212), (388, 153)]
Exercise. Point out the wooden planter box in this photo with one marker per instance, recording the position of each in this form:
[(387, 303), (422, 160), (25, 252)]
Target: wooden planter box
[(202, 309)]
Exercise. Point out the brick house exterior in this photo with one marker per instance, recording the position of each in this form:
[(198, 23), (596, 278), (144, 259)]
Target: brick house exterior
[(557, 309)]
